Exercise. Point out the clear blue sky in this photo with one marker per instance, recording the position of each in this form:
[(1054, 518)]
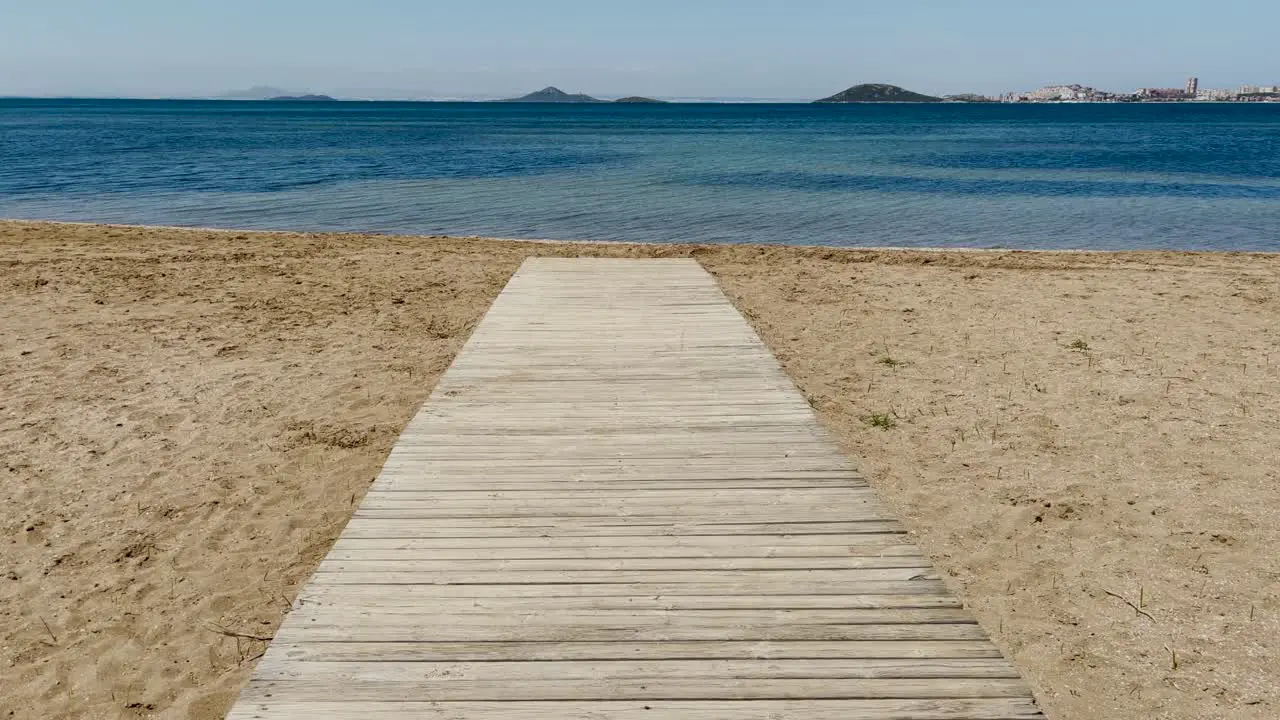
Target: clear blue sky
[(681, 48)]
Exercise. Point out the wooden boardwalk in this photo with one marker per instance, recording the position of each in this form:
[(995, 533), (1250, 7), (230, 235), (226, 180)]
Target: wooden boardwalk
[(616, 505)]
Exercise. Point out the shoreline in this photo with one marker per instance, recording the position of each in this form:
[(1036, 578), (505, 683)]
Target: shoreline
[(632, 243), (191, 416)]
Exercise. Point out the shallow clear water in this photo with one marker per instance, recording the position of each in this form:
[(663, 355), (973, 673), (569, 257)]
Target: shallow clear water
[(1033, 176)]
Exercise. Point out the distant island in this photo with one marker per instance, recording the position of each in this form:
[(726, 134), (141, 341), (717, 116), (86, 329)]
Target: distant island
[(267, 92), (968, 98), (878, 93), (305, 98), (553, 95), (638, 99), (257, 92)]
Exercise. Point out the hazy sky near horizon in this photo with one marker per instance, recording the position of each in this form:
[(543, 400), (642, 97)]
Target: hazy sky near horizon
[(672, 48)]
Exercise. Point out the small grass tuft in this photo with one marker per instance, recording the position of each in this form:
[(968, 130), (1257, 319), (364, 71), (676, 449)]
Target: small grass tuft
[(891, 362), (880, 420), (1080, 344)]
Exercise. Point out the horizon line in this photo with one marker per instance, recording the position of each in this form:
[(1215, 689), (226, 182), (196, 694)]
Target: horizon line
[(604, 99)]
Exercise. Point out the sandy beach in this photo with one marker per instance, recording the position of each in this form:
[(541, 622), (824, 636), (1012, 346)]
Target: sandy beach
[(1084, 443)]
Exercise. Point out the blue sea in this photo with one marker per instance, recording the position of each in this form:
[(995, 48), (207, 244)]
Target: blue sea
[(1187, 176)]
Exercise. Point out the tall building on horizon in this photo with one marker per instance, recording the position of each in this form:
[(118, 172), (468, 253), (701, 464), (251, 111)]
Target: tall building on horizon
[(1193, 86)]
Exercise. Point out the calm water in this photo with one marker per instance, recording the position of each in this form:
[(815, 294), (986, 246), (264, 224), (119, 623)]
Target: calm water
[(1067, 176)]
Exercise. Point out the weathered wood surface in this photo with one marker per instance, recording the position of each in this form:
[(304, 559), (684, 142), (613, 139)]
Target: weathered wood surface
[(616, 505)]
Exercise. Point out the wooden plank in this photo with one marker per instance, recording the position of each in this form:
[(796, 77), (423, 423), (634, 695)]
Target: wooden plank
[(603, 520), (757, 588), (778, 505), (623, 473), (349, 651), (722, 688), (427, 563), (698, 511), (420, 482), (863, 543), (615, 505), (331, 575), (401, 550), (470, 528), (659, 670), (358, 619), (621, 464), (821, 709), (299, 631), (610, 497), (399, 602)]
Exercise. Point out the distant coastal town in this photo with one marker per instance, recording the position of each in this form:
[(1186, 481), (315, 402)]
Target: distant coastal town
[(1192, 92)]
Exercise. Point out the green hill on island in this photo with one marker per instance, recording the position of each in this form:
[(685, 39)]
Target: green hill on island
[(638, 99), (878, 92), (554, 95)]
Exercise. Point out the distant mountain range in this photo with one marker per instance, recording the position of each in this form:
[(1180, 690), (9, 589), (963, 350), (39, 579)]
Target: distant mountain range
[(865, 93), (878, 92)]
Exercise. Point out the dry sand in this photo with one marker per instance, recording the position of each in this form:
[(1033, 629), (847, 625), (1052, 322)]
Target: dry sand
[(188, 418)]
